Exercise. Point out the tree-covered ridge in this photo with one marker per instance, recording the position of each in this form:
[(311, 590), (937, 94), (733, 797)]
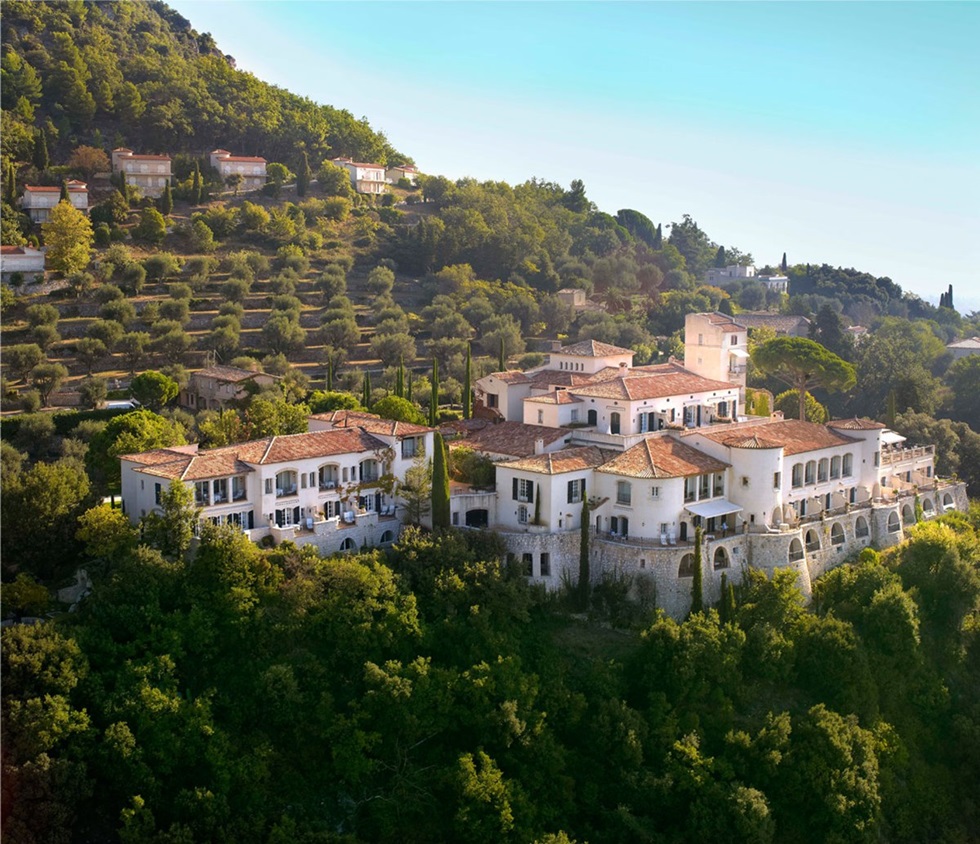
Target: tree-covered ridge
[(244, 695), (137, 74)]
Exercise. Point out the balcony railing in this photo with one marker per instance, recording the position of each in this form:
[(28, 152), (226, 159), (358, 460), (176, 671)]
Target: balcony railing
[(282, 492)]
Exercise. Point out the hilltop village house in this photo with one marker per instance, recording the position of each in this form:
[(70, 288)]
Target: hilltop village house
[(657, 451), (408, 172), (216, 387), (736, 272), (23, 260), (150, 173), (251, 168), (38, 200), (366, 178)]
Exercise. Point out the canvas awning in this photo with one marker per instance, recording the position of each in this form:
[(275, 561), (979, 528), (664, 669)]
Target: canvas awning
[(890, 438), (739, 353), (713, 508)]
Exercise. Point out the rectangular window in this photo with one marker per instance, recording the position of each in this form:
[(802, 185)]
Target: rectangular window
[(704, 485), (523, 490), (268, 486), (238, 488), (734, 339), (202, 493), (527, 564), (690, 490), (491, 399), (624, 493), (220, 490), (455, 519), (655, 492), (157, 492), (719, 485), (777, 480), (540, 417), (574, 414), (303, 480), (576, 491), (409, 446), (545, 570), (522, 515)]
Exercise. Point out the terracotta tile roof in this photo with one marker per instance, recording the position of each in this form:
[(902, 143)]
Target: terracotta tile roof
[(593, 349), (358, 163), (740, 440), (545, 378), (160, 455), (557, 397), (18, 250), (968, 343), (77, 187), (212, 463), (134, 155), (371, 423), (559, 462), (252, 159), (724, 321), (511, 376), (227, 373), (856, 424), (319, 444), (514, 439), (662, 457), (651, 385), (794, 436), (777, 322)]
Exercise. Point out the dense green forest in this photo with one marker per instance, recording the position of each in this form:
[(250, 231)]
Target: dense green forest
[(427, 694), (249, 695)]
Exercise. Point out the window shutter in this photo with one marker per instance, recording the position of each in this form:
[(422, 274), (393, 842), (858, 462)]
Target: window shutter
[(295, 515), (530, 493), (515, 489), (303, 480), (571, 491), (582, 487), (268, 486)]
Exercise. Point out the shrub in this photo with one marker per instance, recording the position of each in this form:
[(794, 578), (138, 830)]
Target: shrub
[(161, 265)]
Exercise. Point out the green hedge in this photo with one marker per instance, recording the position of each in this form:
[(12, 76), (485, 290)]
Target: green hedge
[(64, 421)]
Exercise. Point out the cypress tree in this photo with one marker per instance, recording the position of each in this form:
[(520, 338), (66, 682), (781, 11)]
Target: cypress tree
[(584, 574), (123, 189), (501, 359), (720, 257), (467, 388), (196, 185), (408, 385), (10, 185), (166, 201), (41, 160), (727, 609), (658, 242), (366, 397), (330, 374), (697, 585), (784, 266), (64, 197), (440, 484), (303, 174), (400, 380), (949, 298), (434, 398)]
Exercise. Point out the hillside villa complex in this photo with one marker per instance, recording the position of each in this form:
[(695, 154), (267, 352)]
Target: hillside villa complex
[(655, 450)]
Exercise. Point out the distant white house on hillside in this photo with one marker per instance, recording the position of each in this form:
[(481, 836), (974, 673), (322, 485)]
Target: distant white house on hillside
[(25, 260), (150, 173), (366, 178), (38, 200), (408, 172), (962, 348), (251, 168), (736, 272)]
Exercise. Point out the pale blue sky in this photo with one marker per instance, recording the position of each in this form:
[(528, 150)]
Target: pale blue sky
[(846, 133)]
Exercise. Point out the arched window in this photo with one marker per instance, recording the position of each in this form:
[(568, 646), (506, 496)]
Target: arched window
[(797, 475), (848, 466), (928, 506), (614, 423), (795, 550), (861, 527), (812, 541), (686, 568), (593, 418), (894, 525), (908, 514), (823, 467), (328, 476), (837, 534), (947, 500), (811, 472), (834, 468), (285, 483), (347, 546), (721, 559), (387, 536)]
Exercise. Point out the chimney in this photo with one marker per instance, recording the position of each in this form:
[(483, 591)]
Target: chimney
[(556, 345), (539, 445), (624, 369)]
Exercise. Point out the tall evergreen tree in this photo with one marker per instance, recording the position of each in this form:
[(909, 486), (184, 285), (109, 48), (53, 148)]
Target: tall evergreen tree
[(400, 380), (167, 201), (303, 174), (697, 583), (784, 266), (726, 611), (123, 189), (330, 374), (440, 484), (584, 573), (41, 159), (658, 242), (196, 191), (467, 387), (408, 385), (434, 396), (501, 357), (366, 395), (10, 184), (949, 298), (64, 196), (720, 257)]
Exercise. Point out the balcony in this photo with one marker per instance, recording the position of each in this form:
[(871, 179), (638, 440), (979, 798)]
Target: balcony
[(283, 492)]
